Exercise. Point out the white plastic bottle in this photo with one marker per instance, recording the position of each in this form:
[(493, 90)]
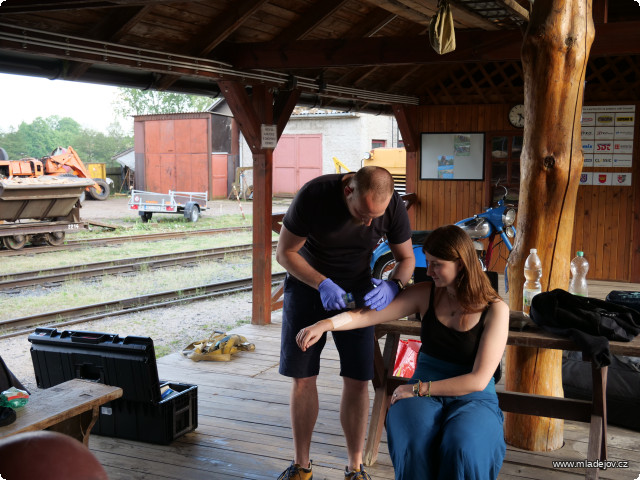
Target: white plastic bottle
[(532, 275), (579, 269)]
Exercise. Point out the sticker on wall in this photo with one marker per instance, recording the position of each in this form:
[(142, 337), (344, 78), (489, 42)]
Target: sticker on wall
[(601, 178), (603, 146), (604, 133), (588, 161), (622, 179), (623, 147), (586, 178), (587, 133), (622, 160), (623, 133), (604, 119), (588, 119), (625, 119), (587, 148), (602, 160)]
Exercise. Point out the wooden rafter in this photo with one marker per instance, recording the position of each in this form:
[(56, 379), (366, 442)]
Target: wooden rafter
[(621, 38), (111, 28), (216, 32), (34, 6), (515, 8), (318, 13)]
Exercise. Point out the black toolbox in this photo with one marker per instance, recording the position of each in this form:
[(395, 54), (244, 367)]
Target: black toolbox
[(141, 413)]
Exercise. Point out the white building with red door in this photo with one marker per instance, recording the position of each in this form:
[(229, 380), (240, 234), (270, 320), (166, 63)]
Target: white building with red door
[(313, 137)]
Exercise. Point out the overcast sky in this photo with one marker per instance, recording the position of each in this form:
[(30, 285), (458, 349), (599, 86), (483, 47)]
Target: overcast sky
[(25, 98)]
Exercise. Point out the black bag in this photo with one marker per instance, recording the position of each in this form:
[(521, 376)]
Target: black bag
[(590, 322), (8, 379), (623, 387), (562, 310)]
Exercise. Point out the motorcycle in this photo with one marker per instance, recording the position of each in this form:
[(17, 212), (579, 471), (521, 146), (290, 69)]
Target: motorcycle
[(495, 224)]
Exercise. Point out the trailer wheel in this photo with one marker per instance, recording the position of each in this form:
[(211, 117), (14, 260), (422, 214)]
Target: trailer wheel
[(14, 243), (54, 238), (192, 212), (145, 216), (102, 193)]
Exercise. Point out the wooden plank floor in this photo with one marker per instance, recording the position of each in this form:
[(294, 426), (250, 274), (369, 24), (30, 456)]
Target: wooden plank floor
[(244, 427)]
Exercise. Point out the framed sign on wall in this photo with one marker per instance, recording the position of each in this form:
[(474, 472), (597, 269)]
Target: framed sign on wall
[(452, 156)]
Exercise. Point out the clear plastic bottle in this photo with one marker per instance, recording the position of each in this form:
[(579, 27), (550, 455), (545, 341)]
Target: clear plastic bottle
[(532, 275), (579, 269)]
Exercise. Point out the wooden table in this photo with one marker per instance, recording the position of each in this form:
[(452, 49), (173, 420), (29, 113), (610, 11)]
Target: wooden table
[(71, 407), (593, 412)]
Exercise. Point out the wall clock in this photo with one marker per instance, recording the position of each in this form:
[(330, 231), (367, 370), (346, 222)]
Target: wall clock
[(516, 115)]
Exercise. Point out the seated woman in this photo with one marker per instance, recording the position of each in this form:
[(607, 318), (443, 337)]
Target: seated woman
[(446, 423)]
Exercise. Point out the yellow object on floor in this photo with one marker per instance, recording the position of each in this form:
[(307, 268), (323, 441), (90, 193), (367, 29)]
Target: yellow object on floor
[(219, 347)]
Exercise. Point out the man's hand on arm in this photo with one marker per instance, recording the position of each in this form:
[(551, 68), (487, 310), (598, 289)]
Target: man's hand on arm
[(386, 290), (382, 294)]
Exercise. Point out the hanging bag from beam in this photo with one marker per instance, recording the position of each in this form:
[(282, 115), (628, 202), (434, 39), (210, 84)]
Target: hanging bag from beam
[(441, 33)]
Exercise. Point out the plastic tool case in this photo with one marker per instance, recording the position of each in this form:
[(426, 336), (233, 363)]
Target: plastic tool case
[(141, 413)]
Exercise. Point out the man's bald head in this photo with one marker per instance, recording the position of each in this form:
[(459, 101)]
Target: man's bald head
[(373, 180)]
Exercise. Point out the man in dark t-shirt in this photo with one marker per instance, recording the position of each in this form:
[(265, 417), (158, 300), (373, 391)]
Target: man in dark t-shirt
[(328, 235)]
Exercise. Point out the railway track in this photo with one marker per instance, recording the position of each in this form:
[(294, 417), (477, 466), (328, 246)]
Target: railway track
[(119, 266), (149, 237), (71, 316)]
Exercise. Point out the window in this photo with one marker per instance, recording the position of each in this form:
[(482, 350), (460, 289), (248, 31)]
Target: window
[(503, 167), (378, 143)]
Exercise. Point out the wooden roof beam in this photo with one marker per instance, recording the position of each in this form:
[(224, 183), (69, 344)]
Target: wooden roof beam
[(318, 13), (227, 23), (515, 8), (621, 38), (111, 29), (36, 6)]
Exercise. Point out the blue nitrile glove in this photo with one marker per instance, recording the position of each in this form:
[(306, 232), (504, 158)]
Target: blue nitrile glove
[(381, 295), (331, 295)]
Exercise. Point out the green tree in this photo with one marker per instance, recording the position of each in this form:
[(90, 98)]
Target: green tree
[(131, 101), (42, 136)]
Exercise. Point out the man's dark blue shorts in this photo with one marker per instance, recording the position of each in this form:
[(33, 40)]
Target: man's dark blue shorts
[(302, 307)]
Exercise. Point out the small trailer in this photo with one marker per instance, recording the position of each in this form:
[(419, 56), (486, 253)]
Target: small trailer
[(190, 204)]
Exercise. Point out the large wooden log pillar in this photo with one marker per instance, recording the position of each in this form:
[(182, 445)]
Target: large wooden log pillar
[(265, 106), (554, 57)]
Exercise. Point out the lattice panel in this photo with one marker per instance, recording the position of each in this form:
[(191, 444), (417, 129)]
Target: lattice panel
[(470, 83), (608, 79), (613, 78)]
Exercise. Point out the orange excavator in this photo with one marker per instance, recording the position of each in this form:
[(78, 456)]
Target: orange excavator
[(62, 162)]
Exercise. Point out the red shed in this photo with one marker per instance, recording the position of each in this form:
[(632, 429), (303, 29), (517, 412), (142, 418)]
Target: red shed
[(188, 152)]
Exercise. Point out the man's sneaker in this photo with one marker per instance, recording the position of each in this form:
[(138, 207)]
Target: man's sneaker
[(296, 472), (356, 474)]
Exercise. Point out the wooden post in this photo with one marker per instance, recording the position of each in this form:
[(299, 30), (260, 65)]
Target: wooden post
[(554, 57), (407, 119), (265, 107)]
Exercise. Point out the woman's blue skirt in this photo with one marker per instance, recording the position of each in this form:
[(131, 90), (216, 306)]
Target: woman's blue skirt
[(446, 438)]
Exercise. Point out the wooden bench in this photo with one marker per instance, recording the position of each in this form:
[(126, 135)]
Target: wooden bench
[(71, 407), (593, 412)]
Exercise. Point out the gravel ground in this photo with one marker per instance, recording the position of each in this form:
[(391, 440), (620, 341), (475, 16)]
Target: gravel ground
[(171, 328)]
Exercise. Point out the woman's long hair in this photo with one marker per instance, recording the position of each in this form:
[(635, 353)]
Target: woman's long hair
[(474, 290)]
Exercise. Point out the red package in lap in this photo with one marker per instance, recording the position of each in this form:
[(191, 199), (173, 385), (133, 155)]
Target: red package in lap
[(406, 358)]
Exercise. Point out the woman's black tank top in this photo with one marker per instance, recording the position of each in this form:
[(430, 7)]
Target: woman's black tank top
[(446, 343)]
